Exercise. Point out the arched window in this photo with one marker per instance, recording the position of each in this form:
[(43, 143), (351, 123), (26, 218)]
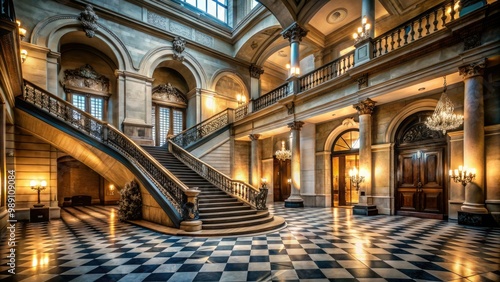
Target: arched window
[(168, 112), (345, 156)]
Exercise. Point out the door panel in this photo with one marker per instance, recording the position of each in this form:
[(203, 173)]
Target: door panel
[(420, 181)]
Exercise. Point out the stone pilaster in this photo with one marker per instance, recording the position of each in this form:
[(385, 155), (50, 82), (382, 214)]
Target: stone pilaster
[(474, 154), (255, 160), (295, 200), (255, 72)]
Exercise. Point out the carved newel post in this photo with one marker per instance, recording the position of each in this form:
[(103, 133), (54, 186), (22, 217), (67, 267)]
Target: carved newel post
[(190, 213)]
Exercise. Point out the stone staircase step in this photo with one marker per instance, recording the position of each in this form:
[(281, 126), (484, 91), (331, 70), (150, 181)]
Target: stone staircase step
[(237, 224), (227, 214), (228, 219)]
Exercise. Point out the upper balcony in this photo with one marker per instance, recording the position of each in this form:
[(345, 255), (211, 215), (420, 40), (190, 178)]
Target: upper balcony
[(387, 68)]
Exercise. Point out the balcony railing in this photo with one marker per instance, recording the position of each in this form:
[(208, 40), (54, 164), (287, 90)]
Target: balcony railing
[(416, 28), (327, 72), (163, 180), (271, 98), (252, 196), (203, 129), (240, 112)]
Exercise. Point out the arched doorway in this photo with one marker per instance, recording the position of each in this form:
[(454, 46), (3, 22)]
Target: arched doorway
[(420, 188), (344, 156)]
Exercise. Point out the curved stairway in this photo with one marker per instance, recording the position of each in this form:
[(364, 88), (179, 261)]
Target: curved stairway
[(220, 213)]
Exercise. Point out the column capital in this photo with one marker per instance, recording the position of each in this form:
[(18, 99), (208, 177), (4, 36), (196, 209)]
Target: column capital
[(472, 69), (294, 33), (365, 107), (255, 71), (296, 125), (254, 137)]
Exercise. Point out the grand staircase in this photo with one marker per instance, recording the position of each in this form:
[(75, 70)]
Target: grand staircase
[(220, 213)]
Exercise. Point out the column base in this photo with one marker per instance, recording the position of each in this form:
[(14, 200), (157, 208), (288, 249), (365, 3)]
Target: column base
[(294, 203), (191, 226), (474, 208), (475, 219), (365, 209)]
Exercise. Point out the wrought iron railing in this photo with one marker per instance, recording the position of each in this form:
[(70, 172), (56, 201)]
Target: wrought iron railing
[(101, 131), (240, 112), (202, 129), (327, 72), (416, 28), (254, 197), (271, 98)]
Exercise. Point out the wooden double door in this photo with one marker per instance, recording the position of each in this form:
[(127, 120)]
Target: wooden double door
[(420, 188), (281, 175)]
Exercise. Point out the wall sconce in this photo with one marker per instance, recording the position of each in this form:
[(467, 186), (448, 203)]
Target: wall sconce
[(363, 31), (24, 55), (111, 189), (22, 30), (463, 175), (294, 71), (38, 186), (264, 182), (242, 99), (356, 179)]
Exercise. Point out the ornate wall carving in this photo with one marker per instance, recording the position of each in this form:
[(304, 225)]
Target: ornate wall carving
[(168, 93), (85, 77), (88, 18)]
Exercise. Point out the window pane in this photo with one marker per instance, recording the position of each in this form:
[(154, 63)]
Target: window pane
[(254, 3), (202, 5), (79, 101), (153, 121), (178, 122), (212, 8), (191, 2), (221, 13), (163, 124), (96, 105)]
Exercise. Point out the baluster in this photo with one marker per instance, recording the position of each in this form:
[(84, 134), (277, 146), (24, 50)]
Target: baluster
[(406, 34), (435, 22), (420, 28), (412, 33), (386, 44), (380, 47), (392, 41), (427, 25), (399, 38), (443, 17), (452, 12)]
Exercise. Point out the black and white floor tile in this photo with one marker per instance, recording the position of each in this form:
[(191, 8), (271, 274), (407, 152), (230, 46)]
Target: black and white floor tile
[(319, 244)]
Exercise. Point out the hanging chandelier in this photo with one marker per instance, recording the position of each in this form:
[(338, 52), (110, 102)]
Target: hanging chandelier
[(443, 117), (283, 154)]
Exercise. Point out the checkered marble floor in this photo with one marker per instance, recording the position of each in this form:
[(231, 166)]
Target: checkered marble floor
[(319, 244)]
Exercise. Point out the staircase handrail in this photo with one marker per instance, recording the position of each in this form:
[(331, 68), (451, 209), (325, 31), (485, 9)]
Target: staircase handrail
[(203, 129), (412, 29), (171, 187), (245, 192)]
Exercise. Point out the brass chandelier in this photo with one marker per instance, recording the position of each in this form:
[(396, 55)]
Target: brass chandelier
[(283, 154), (443, 117)]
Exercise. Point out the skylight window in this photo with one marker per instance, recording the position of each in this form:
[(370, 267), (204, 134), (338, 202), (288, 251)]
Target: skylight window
[(215, 8)]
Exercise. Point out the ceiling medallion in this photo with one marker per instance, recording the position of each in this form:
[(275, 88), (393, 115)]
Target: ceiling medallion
[(336, 16)]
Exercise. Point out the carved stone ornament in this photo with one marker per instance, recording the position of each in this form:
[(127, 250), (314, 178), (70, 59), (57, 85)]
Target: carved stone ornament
[(362, 81), (179, 45), (472, 69), (89, 21), (419, 132), (296, 125), (254, 137), (255, 71), (168, 93), (291, 108), (86, 77), (294, 33), (348, 122), (365, 107)]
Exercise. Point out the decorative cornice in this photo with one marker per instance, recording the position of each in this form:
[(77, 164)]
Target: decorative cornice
[(296, 125), (472, 69), (365, 107), (294, 33)]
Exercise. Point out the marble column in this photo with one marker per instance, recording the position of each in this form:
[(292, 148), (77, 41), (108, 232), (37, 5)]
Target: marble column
[(474, 151), (295, 200), (368, 11), (294, 33), (365, 110), (255, 160)]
